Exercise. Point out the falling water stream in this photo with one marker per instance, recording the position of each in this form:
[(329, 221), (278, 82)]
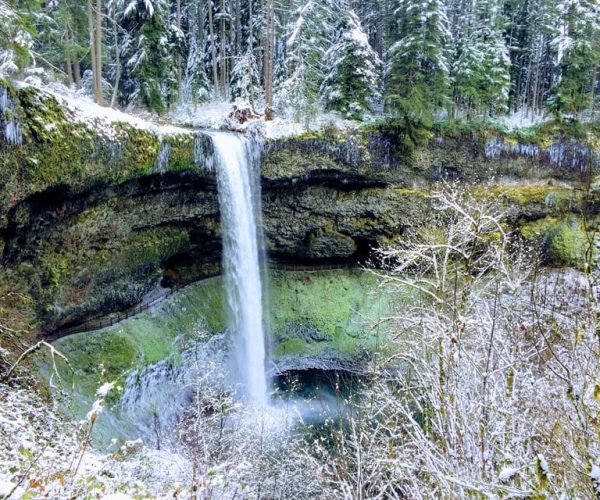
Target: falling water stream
[(236, 161)]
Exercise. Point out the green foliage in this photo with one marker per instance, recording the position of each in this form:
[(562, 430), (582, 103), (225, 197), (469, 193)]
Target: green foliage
[(407, 131), (352, 84), (581, 44), (148, 77), (565, 244), (481, 72), (16, 35), (418, 75), (308, 35), (563, 241)]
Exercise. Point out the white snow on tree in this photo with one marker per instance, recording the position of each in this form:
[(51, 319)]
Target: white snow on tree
[(578, 56), (245, 78), (148, 77), (15, 41), (352, 84), (195, 85), (418, 72), (308, 37), (482, 69), (595, 477)]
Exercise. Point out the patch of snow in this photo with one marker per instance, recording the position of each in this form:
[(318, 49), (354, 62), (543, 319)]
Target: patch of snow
[(103, 119), (522, 118), (97, 408), (212, 115), (287, 127), (104, 389), (6, 487), (216, 115), (543, 464), (507, 474)]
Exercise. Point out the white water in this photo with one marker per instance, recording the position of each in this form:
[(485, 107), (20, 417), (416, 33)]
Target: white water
[(236, 161)]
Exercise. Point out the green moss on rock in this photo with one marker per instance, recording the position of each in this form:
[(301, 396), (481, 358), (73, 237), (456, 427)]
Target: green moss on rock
[(565, 244), (58, 150), (326, 242), (563, 241)]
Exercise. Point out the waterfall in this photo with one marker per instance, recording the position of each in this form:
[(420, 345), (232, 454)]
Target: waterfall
[(238, 181)]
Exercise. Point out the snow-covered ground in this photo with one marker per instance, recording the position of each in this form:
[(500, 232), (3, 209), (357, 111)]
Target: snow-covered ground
[(41, 456), (216, 115), (522, 118), (212, 115), (103, 118)]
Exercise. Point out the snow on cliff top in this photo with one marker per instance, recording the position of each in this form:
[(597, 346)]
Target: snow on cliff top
[(212, 115), (102, 119), (216, 115)]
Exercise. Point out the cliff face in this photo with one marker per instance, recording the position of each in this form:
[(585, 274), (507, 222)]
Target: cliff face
[(92, 218)]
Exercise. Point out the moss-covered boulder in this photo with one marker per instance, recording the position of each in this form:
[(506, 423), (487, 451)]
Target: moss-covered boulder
[(564, 241)]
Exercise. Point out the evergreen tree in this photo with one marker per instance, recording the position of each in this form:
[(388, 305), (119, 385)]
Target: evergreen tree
[(195, 86), (578, 49), (16, 39), (530, 28), (245, 78), (417, 67), (352, 84), (482, 68), (149, 78), (246, 71), (308, 36)]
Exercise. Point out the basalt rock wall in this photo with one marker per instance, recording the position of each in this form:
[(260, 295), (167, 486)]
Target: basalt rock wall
[(92, 220)]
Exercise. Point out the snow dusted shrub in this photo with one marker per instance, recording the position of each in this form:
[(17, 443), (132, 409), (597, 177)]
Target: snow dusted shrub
[(241, 451), (491, 386)]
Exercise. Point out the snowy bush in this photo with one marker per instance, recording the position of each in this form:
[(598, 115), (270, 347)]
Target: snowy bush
[(491, 388)]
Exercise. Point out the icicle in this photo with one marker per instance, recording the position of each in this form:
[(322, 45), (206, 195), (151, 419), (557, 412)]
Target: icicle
[(525, 149), (494, 148), (162, 159), (556, 153), (570, 154), (204, 154), (13, 135)]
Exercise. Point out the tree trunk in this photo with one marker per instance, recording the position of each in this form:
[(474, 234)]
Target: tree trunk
[(77, 73), (238, 28), (115, 93), (251, 49), (223, 57), (69, 70), (178, 60), (90, 15), (213, 49), (99, 97), (268, 69)]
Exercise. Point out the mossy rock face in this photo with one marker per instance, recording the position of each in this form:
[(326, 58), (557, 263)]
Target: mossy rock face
[(58, 150), (565, 244), (329, 313), (91, 220), (323, 222), (455, 151), (88, 254), (333, 310), (563, 241), (311, 316), (109, 355), (327, 244)]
